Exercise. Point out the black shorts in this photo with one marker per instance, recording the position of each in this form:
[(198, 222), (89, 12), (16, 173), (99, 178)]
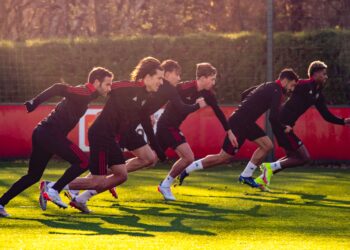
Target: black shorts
[(103, 154), (132, 140), (290, 142), (242, 132), (169, 137)]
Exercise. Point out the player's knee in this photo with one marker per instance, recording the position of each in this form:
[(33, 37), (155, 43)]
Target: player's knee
[(304, 156), (268, 146), (150, 160), (123, 177), (225, 158), (188, 159), (306, 159)]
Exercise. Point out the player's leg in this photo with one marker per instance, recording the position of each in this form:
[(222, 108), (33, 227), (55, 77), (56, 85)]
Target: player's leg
[(102, 183), (79, 164), (255, 134), (136, 144), (70, 152), (37, 164), (186, 157), (225, 155), (294, 159), (296, 155), (144, 157), (100, 179)]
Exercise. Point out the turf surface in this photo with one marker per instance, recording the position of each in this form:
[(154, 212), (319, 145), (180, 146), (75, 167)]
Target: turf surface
[(308, 208)]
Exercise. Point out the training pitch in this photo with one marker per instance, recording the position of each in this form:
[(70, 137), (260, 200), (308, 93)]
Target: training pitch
[(308, 208)]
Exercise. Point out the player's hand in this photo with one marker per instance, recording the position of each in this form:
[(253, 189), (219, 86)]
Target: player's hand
[(232, 138), (201, 102), (29, 106), (347, 121), (288, 129)]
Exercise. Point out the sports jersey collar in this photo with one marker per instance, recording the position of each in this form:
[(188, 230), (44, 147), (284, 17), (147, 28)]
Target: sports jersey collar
[(279, 83), (141, 83), (90, 87), (312, 80)]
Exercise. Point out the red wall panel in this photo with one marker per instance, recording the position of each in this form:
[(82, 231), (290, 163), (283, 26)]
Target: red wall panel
[(202, 130)]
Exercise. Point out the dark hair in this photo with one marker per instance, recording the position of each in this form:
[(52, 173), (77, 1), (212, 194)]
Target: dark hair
[(99, 73), (315, 66), (171, 65), (205, 69), (289, 74), (146, 66)]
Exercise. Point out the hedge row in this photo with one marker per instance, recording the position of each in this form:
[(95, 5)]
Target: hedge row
[(27, 68)]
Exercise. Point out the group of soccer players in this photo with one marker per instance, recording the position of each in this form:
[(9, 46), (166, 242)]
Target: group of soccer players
[(129, 103)]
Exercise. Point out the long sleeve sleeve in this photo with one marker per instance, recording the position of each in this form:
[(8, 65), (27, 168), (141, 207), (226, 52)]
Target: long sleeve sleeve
[(325, 113), (275, 106), (180, 106), (212, 102), (58, 89)]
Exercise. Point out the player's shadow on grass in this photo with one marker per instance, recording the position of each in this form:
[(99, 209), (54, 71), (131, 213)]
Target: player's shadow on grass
[(80, 226), (275, 198), (303, 199), (176, 225), (177, 212)]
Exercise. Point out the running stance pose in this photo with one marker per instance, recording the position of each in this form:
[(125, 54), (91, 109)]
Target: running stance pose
[(120, 113), (308, 92), (135, 142), (50, 136), (256, 101), (168, 131)]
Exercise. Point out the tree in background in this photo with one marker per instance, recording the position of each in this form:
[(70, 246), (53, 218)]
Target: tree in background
[(27, 19)]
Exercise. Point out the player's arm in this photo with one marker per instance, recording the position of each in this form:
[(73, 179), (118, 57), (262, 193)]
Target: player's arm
[(57, 89), (212, 102), (180, 106), (325, 113), (274, 116), (153, 142)]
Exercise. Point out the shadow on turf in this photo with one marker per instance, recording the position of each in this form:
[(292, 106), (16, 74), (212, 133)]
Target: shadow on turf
[(131, 223), (308, 199), (177, 212), (74, 223)]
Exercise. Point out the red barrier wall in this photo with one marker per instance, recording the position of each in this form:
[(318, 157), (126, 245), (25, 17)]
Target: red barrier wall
[(203, 131)]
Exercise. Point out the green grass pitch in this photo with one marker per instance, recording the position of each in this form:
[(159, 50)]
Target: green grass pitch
[(308, 208)]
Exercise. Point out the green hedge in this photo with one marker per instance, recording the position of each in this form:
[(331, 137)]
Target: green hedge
[(27, 68)]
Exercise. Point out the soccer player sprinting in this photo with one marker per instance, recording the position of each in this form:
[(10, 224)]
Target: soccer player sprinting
[(135, 142), (168, 132), (50, 136), (308, 92), (120, 113), (256, 101)]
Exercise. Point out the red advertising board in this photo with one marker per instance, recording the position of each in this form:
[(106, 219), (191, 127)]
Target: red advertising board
[(203, 131)]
